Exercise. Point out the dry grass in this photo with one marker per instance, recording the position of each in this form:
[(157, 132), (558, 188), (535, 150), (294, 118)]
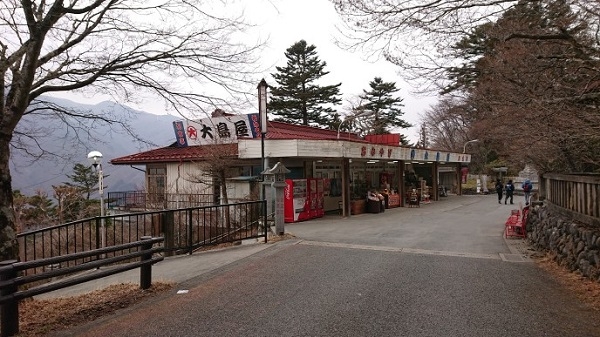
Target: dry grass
[(40, 317), (588, 291), (285, 236)]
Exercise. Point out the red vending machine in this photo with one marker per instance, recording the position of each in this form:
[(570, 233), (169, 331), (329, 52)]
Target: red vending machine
[(316, 188), (296, 203)]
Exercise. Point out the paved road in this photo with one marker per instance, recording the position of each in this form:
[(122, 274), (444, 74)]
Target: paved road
[(439, 270)]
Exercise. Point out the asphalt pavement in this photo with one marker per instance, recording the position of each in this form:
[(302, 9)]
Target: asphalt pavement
[(443, 269), (472, 230)]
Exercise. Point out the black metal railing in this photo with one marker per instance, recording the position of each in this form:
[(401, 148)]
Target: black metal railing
[(184, 229), (12, 288), (139, 200)]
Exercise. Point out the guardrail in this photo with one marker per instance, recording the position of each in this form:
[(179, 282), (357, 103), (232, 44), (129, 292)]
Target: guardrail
[(576, 196), (10, 281), (184, 231)]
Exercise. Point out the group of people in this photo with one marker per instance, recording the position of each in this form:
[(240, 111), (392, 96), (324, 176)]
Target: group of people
[(509, 189)]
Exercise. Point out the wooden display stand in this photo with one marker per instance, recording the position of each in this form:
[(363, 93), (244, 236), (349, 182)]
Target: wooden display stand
[(357, 206), (393, 200)]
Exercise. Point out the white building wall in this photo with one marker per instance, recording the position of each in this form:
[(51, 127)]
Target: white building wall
[(183, 178), (281, 148), (238, 190)]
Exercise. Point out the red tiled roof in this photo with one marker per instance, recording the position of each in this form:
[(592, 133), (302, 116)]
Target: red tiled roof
[(276, 130), (173, 153), (280, 130)]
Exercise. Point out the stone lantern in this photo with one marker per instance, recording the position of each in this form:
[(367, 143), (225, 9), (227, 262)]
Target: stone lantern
[(266, 193), (279, 171)]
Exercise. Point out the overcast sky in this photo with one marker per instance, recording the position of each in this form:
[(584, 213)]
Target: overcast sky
[(284, 22)]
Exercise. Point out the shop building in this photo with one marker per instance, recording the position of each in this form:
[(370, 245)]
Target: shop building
[(345, 165)]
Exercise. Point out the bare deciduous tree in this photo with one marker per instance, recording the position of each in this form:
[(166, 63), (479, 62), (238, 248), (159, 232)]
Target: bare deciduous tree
[(538, 98), (413, 34), (530, 75), (354, 106), (418, 35), (122, 48), (447, 125)]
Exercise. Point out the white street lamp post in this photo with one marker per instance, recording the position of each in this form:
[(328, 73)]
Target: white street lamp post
[(262, 114), (95, 157), (470, 141), (352, 117)]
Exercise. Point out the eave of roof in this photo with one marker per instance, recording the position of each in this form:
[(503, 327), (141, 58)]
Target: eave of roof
[(276, 130)]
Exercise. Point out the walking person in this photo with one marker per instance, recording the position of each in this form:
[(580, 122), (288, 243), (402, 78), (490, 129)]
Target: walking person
[(499, 187), (527, 186), (510, 189)]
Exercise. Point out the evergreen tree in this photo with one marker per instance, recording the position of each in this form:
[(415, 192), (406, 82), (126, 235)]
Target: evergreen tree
[(83, 178), (472, 48), (35, 211), (385, 107), (298, 99)]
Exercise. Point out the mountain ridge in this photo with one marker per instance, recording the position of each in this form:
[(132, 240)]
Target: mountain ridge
[(67, 147)]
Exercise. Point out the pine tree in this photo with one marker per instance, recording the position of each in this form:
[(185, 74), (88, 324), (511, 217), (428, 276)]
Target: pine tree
[(298, 99), (385, 107), (471, 48), (84, 178)]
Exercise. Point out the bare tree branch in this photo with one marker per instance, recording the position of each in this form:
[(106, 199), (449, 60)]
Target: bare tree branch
[(174, 49)]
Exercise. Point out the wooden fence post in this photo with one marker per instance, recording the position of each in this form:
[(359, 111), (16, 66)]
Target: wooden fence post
[(146, 270), (9, 323), (168, 230)]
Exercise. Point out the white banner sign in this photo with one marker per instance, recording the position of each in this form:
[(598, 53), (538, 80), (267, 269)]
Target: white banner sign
[(222, 130)]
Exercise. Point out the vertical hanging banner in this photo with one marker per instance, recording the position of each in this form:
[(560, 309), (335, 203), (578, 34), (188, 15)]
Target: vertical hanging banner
[(254, 120), (180, 134), (222, 129)]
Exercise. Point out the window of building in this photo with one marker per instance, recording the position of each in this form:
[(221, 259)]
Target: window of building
[(156, 182)]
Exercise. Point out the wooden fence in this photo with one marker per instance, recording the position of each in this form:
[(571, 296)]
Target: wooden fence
[(575, 196), (15, 287)]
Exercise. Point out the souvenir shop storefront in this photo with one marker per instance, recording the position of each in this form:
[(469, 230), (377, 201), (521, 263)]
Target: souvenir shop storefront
[(344, 168)]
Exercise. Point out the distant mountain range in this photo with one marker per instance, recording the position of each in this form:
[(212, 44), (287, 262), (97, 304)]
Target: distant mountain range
[(70, 146)]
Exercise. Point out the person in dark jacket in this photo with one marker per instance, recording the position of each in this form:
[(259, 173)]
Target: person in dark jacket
[(527, 186), (499, 187), (510, 189)]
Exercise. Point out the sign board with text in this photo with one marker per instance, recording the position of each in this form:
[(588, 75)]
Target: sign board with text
[(218, 130)]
